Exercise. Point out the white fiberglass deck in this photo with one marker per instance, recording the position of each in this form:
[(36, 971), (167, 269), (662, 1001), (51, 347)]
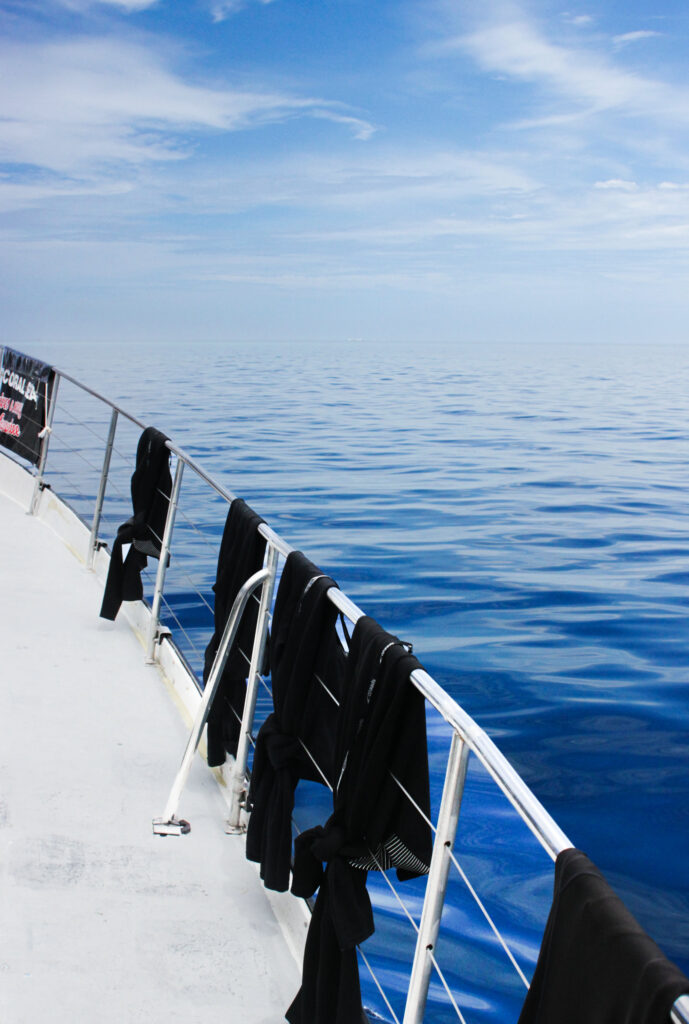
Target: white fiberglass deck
[(100, 919)]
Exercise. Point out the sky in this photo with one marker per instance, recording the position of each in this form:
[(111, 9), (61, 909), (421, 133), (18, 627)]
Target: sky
[(417, 170)]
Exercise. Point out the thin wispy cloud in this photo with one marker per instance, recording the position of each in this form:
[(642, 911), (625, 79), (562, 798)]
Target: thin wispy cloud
[(582, 74), (578, 20), (623, 217), (517, 49), (375, 186), (223, 9), (617, 183), (634, 37), (25, 195), (126, 6), (76, 105), (361, 129)]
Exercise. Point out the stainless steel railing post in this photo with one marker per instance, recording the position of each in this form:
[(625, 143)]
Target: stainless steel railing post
[(162, 563), (436, 885), (234, 825), (680, 1010), (38, 480), (93, 539), (169, 824)]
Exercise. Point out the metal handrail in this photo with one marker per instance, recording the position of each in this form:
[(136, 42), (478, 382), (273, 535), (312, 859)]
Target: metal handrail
[(530, 809), (546, 830), (467, 735), (100, 397), (266, 531), (168, 823)]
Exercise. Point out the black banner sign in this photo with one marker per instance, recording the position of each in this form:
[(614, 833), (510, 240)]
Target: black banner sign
[(26, 386)]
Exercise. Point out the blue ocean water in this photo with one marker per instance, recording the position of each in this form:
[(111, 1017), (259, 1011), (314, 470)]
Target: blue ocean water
[(519, 514)]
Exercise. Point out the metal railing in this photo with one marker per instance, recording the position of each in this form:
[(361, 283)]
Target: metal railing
[(467, 738)]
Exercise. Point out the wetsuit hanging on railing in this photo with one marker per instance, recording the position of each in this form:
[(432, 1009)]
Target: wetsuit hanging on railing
[(381, 733), (307, 664), (242, 550), (596, 963), (151, 485)]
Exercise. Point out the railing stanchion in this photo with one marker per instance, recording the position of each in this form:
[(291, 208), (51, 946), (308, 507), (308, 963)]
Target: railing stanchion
[(93, 540), (680, 1010), (38, 480), (436, 885), (234, 825), (169, 824), (162, 563)]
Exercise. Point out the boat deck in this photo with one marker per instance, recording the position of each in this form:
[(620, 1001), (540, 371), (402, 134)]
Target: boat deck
[(102, 920)]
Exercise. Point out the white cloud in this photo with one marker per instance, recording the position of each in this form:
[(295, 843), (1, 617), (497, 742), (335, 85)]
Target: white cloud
[(614, 216), (226, 8), (518, 49), (361, 129), (578, 20), (617, 183), (377, 186), (633, 37), (128, 6), (72, 106), (223, 10), (24, 195), (583, 76)]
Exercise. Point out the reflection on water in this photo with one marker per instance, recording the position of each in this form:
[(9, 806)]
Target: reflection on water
[(520, 515)]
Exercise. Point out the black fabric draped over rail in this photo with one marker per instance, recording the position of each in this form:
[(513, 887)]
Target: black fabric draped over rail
[(151, 486), (596, 964), (381, 733), (306, 656), (242, 551)]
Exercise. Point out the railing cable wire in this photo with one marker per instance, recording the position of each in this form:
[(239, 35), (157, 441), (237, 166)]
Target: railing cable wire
[(489, 919), (331, 695), (446, 987), (378, 984)]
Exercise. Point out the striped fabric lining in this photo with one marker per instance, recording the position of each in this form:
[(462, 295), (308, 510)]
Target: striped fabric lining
[(391, 854)]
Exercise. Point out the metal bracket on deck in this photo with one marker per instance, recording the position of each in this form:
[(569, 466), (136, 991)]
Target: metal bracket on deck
[(162, 633), (173, 827), (241, 794), (39, 486)]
